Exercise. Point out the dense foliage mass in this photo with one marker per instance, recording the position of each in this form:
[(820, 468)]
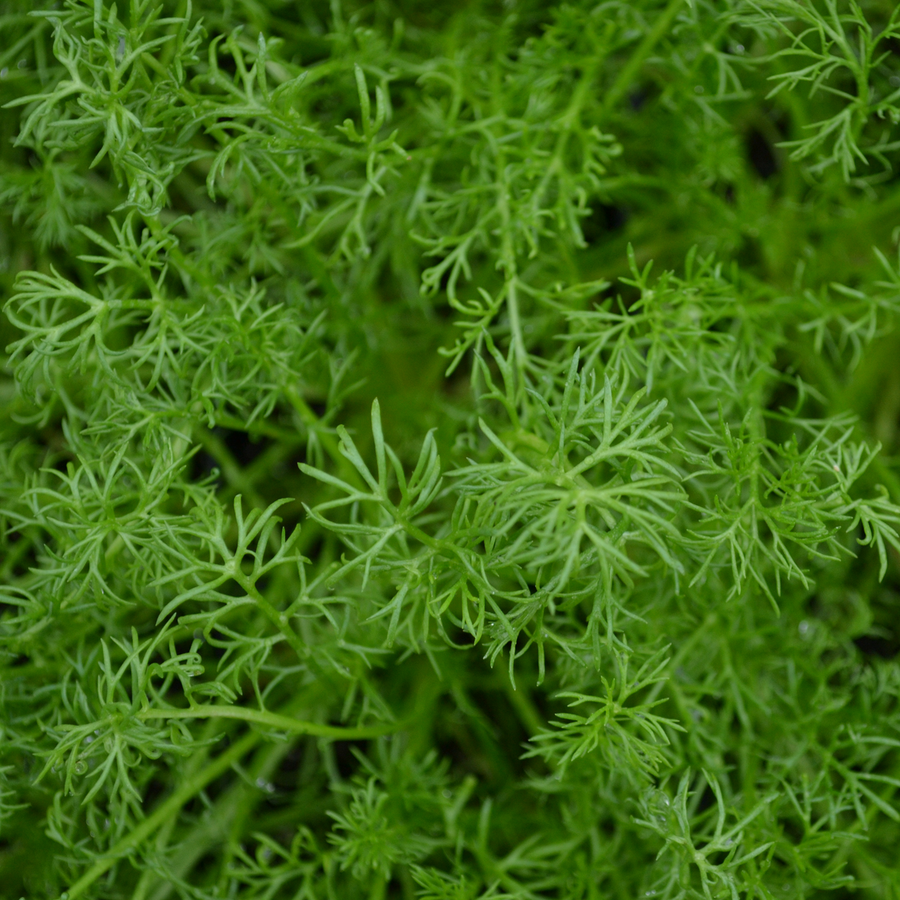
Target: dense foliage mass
[(446, 449)]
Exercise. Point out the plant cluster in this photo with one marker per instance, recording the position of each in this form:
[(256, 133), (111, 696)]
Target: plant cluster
[(447, 450)]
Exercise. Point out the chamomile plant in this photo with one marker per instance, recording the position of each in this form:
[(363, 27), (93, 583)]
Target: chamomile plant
[(448, 451)]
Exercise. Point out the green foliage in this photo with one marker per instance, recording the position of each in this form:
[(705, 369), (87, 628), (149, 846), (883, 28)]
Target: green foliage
[(448, 451)]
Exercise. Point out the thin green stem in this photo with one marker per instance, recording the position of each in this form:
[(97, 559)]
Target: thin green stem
[(522, 703), (629, 71), (279, 620), (209, 773), (234, 474), (271, 720), (257, 428), (327, 438), (164, 812)]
